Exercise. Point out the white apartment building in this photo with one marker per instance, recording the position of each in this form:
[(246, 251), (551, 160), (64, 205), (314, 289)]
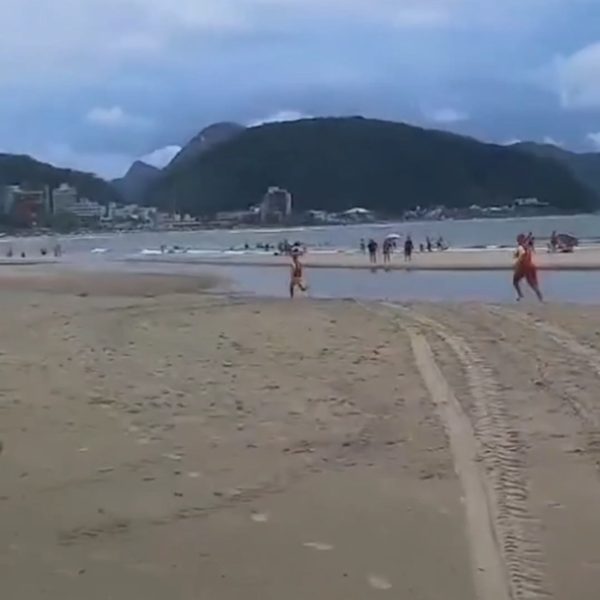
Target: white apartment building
[(87, 209), (65, 199)]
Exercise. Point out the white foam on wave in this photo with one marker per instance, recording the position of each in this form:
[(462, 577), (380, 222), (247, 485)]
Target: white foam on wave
[(267, 231), (99, 250), (200, 252)]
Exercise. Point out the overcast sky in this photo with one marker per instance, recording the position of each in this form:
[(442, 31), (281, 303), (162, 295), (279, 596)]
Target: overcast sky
[(95, 84)]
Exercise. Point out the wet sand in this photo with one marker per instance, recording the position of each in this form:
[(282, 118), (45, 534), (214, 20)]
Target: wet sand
[(583, 259), (201, 446)]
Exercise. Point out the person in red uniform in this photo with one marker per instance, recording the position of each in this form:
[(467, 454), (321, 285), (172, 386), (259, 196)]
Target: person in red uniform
[(525, 268), (297, 275)]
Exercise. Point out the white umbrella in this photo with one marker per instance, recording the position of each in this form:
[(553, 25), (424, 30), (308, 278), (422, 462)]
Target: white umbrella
[(393, 236)]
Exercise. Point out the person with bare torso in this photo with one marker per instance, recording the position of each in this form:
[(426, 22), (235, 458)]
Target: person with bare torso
[(297, 275)]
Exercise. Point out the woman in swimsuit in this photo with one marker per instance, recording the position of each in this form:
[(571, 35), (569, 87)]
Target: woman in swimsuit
[(296, 276), (525, 268)]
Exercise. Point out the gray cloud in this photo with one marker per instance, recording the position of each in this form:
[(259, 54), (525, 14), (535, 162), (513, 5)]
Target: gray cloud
[(102, 82)]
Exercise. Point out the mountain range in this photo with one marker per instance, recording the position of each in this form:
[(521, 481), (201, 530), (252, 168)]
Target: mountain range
[(336, 163), (584, 166)]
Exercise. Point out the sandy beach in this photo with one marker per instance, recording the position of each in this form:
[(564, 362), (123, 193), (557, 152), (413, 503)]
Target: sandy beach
[(583, 259), (162, 440)]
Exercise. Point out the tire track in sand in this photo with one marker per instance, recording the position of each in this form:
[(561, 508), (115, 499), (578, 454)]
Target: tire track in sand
[(501, 490), (567, 341), (486, 558)]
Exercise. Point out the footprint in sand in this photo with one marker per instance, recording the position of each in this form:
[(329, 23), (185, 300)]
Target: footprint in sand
[(321, 546), (260, 517), (379, 583)]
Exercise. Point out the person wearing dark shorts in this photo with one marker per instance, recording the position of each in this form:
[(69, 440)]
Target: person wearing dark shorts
[(372, 248), (408, 249)]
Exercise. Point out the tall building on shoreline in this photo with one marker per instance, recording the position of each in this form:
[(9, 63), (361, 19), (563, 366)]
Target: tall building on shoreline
[(24, 205), (276, 206)]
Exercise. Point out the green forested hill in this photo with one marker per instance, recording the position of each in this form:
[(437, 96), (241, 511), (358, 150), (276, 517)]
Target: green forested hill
[(337, 163), (584, 166), (20, 169)]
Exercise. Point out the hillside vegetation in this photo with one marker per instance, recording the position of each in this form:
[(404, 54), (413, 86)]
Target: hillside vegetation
[(21, 169), (336, 163)]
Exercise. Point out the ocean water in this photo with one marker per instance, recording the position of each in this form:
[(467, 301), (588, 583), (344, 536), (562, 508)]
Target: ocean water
[(407, 286), (109, 252), (458, 234)]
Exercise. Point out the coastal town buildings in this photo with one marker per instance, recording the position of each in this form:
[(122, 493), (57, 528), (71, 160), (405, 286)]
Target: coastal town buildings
[(66, 199), (24, 205)]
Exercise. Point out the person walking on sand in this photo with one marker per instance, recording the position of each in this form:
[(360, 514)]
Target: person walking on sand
[(408, 249), (525, 268), (372, 248), (297, 275)]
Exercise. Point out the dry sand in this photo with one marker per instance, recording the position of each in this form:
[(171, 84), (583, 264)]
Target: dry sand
[(202, 447)]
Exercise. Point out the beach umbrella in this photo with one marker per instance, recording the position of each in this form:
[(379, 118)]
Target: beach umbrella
[(393, 236)]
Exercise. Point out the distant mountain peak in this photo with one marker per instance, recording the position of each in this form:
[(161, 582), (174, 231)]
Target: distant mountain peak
[(136, 182), (207, 138), (139, 166)]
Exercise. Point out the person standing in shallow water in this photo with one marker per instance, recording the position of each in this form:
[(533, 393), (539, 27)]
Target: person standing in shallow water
[(387, 251), (408, 249), (372, 248)]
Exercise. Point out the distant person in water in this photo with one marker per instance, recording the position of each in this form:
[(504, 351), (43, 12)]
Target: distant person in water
[(525, 268), (408, 249), (429, 244), (553, 242), (297, 274), (372, 248), (363, 246), (387, 251)]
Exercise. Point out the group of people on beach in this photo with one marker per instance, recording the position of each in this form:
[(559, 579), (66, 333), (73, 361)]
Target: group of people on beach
[(390, 245), (56, 250)]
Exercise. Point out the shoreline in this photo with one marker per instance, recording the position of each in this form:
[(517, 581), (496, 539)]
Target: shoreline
[(587, 259)]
